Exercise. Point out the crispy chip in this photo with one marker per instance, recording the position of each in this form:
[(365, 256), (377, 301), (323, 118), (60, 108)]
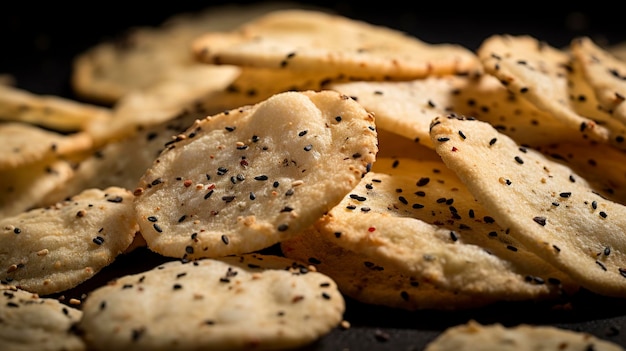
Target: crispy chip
[(359, 277), (537, 72), (548, 207), (332, 45), (49, 111), (246, 179), (18, 147), (56, 248), (523, 337), (30, 322), (418, 218), (121, 163), (605, 73), (407, 108), (144, 56), (23, 188), (162, 101), (258, 302)]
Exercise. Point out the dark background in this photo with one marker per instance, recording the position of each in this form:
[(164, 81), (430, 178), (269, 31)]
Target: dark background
[(38, 42)]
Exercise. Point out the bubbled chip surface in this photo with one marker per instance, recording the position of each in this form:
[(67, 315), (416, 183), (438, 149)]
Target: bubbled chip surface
[(248, 178), (245, 302)]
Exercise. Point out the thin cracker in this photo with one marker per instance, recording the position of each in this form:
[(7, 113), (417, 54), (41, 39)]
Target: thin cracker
[(546, 205), (248, 178)]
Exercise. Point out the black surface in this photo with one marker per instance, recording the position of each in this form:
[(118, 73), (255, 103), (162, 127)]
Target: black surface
[(39, 40)]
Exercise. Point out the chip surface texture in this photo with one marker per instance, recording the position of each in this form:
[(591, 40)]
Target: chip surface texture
[(248, 178)]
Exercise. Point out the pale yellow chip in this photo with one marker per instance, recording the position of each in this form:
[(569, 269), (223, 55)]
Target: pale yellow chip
[(23, 188), (56, 248), (548, 207), (49, 111), (144, 56), (522, 337), (248, 178), (538, 72), (24, 144), (418, 218), (331, 45), (249, 302), (407, 108), (605, 73), (359, 277), (29, 322)]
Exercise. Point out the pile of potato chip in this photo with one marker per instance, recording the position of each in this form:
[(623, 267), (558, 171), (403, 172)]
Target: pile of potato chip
[(392, 171)]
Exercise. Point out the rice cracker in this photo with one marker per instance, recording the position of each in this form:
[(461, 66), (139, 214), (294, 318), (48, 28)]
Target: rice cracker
[(247, 302), (548, 207), (330, 44), (605, 73), (56, 248), (30, 322), (418, 218), (537, 72), (245, 179), (475, 336)]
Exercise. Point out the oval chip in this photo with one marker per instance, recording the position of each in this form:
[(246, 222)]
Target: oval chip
[(29, 322), (52, 249), (249, 302), (246, 179), (548, 207)]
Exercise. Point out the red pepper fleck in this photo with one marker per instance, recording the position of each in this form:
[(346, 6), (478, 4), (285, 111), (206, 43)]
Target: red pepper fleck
[(371, 229), (454, 149)]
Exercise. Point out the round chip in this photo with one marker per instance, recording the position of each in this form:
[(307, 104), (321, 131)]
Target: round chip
[(29, 322), (549, 208), (246, 179), (56, 248), (258, 302), (523, 337), (418, 218)]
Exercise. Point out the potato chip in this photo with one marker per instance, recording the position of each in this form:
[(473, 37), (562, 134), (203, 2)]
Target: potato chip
[(361, 278), (605, 73), (245, 179), (331, 45), (144, 56), (547, 206), (23, 188), (56, 248), (537, 72), (29, 322), (258, 302), (48, 111), (19, 149), (522, 337), (417, 217)]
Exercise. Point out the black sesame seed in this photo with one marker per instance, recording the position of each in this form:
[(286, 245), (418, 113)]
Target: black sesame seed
[(442, 139), (462, 135), (261, 177), (152, 218), (540, 220), (189, 249), (225, 239), (565, 195), (423, 181), (303, 133), (98, 240), (157, 228), (283, 227), (519, 160), (493, 141), (208, 194), (602, 214), (16, 230)]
